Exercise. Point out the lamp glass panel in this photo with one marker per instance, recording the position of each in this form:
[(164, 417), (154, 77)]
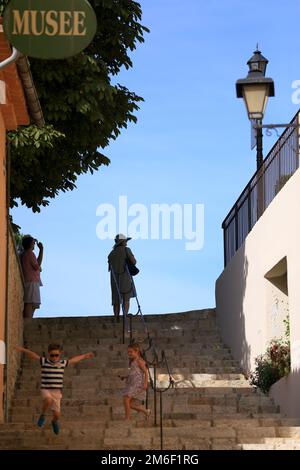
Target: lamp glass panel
[(256, 97)]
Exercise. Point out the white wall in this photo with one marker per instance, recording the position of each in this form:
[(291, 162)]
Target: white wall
[(245, 299)]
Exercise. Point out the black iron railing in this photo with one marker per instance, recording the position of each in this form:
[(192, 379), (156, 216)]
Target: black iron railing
[(279, 165), (153, 362)]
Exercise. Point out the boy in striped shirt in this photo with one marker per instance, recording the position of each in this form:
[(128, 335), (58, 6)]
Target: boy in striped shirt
[(52, 376)]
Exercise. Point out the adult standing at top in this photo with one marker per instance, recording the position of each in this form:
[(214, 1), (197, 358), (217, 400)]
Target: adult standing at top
[(31, 266), (120, 280)]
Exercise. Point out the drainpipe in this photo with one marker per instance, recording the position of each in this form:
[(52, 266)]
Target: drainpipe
[(7, 361), (11, 59), (31, 95)]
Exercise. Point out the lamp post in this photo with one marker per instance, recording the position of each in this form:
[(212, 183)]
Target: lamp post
[(255, 90)]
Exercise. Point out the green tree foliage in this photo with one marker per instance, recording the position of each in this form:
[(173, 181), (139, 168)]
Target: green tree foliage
[(83, 110)]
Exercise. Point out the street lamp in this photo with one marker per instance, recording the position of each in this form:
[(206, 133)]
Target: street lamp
[(255, 90)]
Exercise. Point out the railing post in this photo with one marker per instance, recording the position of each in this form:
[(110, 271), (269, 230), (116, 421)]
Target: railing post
[(123, 326), (236, 227), (147, 395), (260, 192), (279, 171), (161, 419), (130, 327), (259, 147), (154, 388), (225, 246), (249, 210)]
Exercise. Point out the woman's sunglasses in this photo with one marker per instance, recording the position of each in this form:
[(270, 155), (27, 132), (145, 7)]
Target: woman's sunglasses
[(54, 355)]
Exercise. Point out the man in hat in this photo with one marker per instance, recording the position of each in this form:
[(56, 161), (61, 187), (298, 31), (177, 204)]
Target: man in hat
[(120, 280)]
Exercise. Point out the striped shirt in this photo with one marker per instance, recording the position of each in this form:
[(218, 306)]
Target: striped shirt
[(52, 373)]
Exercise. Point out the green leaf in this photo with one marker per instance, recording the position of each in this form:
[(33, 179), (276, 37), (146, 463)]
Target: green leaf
[(83, 110)]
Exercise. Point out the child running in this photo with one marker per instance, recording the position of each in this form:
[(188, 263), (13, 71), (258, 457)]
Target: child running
[(136, 383), (52, 376)]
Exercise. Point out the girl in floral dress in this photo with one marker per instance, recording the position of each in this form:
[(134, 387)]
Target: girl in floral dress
[(136, 383)]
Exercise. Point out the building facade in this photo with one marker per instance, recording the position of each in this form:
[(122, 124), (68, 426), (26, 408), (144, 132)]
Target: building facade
[(18, 107), (258, 291)]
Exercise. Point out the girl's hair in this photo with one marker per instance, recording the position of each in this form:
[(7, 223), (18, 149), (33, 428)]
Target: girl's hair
[(27, 242), (135, 347)]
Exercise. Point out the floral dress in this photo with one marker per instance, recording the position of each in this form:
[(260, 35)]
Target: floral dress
[(135, 382)]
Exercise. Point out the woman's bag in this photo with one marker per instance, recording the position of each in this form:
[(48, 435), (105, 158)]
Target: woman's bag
[(133, 270)]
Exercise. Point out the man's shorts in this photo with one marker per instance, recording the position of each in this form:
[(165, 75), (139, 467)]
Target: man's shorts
[(55, 396)]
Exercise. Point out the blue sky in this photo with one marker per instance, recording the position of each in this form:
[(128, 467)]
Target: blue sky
[(191, 145)]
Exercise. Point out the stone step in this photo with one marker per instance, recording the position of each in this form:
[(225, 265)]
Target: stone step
[(183, 380), (46, 433), (199, 329), (174, 412), (212, 406), (107, 322), (152, 441), (170, 410), (117, 367), (239, 420), (96, 375), (115, 352), (187, 438), (166, 318), (210, 388), (38, 327), (154, 444), (111, 356), (67, 403), (51, 441), (172, 398), (275, 446), (273, 443), (110, 343)]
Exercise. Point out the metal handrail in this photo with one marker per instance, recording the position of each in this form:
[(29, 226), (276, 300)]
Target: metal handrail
[(265, 165), (153, 383), (281, 162), (131, 315), (154, 363), (151, 347)]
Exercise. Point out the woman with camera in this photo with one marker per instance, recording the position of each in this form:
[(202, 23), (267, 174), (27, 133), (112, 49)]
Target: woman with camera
[(122, 288), (31, 266)]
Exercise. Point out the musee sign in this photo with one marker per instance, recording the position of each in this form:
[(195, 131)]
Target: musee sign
[(49, 29)]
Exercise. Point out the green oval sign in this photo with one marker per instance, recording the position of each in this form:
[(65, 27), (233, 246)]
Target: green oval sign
[(49, 29)]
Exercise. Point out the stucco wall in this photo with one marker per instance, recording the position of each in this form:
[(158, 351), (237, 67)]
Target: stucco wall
[(13, 112), (286, 394), (246, 300), (15, 316)]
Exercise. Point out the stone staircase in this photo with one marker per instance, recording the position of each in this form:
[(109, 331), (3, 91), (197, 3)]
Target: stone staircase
[(211, 407)]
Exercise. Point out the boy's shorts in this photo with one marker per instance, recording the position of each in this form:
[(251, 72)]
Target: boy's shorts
[(55, 396)]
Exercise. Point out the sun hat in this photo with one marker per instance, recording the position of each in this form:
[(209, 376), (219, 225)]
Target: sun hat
[(120, 238)]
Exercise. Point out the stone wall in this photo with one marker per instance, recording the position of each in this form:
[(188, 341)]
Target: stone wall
[(15, 316)]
